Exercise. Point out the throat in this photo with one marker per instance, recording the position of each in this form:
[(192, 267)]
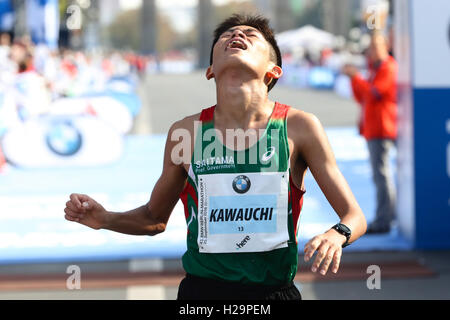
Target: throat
[(242, 127), (239, 100)]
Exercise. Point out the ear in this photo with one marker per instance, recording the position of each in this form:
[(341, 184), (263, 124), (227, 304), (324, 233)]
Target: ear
[(275, 73), (209, 73)]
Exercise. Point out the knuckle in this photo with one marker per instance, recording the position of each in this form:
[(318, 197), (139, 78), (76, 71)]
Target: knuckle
[(324, 249)]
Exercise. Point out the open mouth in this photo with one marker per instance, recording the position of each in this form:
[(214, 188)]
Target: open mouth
[(237, 44)]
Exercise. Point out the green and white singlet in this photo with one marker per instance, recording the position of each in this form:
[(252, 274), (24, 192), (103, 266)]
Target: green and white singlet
[(242, 207)]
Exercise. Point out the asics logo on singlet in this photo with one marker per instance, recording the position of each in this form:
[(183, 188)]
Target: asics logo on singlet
[(241, 184), (268, 155)]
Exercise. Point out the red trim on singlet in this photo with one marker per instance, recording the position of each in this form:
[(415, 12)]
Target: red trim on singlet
[(296, 200), (188, 190), (280, 111), (207, 115), (183, 198), (295, 194)]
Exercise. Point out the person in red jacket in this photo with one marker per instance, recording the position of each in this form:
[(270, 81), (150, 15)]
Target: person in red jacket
[(377, 97)]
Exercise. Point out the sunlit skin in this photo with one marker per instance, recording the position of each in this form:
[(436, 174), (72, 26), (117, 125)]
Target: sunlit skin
[(241, 78)]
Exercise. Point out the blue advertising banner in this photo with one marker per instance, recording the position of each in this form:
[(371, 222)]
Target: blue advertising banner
[(43, 21), (6, 15), (432, 162), (423, 52)]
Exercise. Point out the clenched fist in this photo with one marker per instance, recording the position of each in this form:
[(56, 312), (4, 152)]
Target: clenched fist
[(85, 210)]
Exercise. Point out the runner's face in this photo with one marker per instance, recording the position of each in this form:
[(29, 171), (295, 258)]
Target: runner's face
[(243, 47)]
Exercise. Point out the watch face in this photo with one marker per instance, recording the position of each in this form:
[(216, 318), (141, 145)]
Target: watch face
[(343, 228)]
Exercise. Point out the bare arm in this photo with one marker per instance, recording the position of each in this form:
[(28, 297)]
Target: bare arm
[(149, 219), (316, 151)]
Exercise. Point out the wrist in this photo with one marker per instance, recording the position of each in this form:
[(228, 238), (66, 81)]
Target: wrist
[(107, 220), (341, 237), (344, 231)]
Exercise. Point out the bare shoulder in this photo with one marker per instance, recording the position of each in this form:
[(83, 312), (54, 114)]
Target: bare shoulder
[(309, 138), (303, 125), (180, 140), (186, 123)]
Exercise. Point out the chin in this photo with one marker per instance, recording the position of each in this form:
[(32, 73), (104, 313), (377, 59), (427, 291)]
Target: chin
[(239, 63)]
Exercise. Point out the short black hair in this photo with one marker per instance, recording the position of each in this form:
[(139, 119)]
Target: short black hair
[(259, 23)]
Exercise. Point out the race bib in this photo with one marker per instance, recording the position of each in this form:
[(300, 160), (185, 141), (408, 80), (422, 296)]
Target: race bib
[(242, 212)]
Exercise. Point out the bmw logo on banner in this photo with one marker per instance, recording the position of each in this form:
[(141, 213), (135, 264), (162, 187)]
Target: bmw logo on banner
[(63, 138), (241, 184), (58, 141)]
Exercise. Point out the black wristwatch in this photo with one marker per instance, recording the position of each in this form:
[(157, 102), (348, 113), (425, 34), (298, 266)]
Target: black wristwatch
[(344, 230)]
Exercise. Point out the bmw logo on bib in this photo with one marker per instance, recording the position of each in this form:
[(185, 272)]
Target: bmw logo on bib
[(64, 139), (241, 184)]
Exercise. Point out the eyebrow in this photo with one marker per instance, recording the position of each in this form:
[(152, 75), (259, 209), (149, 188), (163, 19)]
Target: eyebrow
[(246, 30)]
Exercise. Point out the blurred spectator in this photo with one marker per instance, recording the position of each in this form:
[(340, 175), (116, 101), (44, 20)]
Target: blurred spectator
[(30, 88), (377, 97), (5, 42), (22, 56)]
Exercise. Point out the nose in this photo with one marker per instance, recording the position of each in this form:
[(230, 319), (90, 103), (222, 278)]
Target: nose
[(238, 33)]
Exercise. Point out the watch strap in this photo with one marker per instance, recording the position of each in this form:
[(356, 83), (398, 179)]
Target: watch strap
[(345, 231)]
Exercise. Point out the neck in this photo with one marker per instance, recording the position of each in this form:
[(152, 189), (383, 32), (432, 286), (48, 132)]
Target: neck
[(241, 98)]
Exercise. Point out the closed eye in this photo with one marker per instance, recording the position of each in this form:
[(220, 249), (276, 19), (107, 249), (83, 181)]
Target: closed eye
[(226, 34)]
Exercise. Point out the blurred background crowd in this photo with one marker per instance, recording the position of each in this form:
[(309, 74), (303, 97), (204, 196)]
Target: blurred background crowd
[(120, 37)]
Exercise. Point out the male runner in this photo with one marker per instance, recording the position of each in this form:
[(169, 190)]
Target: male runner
[(242, 211)]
